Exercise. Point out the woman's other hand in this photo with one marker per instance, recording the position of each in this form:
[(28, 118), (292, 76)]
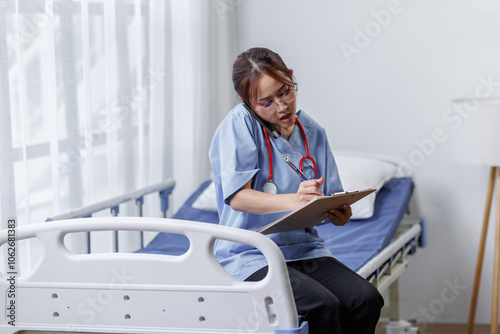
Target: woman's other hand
[(339, 217)]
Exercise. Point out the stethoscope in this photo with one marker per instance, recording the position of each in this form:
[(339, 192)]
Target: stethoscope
[(270, 187)]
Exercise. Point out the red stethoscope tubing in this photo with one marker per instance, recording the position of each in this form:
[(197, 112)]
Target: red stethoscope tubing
[(270, 155), (307, 156), (306, 146)]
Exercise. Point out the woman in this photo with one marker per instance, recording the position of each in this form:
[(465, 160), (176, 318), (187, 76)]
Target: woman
[(255, 186)]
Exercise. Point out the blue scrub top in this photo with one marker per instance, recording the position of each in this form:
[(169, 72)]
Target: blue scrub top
[(239, 153)]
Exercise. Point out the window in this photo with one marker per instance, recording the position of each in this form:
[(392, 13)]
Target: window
[(85, 103)]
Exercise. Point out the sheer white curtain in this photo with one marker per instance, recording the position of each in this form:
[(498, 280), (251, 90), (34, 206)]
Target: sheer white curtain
[(84, 105), (102, 97), (205, 42)]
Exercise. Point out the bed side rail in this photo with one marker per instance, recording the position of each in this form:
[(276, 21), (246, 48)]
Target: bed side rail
[(164, 189), (387, 266), (147, 293)]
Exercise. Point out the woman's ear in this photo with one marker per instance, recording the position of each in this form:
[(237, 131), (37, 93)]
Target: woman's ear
[(247, 107), (291, 72)]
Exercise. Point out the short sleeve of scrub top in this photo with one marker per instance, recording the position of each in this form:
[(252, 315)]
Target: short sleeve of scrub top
[(234, 154)]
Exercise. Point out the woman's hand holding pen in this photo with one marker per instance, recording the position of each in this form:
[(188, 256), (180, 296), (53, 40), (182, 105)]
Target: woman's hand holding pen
[(252, 201), (308, 190)]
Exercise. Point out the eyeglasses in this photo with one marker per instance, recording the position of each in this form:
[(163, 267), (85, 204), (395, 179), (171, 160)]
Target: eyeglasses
[(286, 97)]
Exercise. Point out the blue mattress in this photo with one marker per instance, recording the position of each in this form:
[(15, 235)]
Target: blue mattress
[(353, 244), (360, 240), (177, 244)]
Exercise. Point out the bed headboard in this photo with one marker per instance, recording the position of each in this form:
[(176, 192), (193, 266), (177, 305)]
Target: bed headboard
[(130, 292)]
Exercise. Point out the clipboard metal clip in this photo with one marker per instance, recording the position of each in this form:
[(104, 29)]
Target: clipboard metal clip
[(345, 192)]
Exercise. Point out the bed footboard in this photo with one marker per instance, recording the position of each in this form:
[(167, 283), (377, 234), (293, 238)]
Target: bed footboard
[(145, 293)]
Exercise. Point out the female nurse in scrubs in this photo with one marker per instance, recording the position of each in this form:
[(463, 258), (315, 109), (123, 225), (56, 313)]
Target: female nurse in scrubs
[(255, 186)]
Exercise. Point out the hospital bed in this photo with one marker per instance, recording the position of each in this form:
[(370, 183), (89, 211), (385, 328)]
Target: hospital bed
[(175, 285)]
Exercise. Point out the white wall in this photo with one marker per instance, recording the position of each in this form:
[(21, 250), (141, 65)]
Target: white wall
[(390, 98)]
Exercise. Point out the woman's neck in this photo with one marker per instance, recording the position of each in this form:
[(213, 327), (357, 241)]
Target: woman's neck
[(287, 132)]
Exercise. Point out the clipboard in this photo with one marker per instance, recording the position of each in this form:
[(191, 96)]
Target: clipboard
[(312, 213)]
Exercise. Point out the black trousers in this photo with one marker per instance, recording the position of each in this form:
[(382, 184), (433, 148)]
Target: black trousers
[(331, 297)]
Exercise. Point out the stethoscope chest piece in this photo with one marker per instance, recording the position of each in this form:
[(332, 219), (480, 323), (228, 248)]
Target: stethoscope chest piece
[(270, 188)]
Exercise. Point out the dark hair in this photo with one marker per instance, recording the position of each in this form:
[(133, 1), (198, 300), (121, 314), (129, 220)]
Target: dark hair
[(250, 65)]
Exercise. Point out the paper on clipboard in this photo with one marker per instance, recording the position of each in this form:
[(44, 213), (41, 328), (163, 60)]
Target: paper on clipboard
[(313, 212)]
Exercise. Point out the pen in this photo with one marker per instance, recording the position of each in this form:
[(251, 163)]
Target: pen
[(296, 170)]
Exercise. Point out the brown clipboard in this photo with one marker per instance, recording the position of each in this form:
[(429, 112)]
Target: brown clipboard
[(313, 212)]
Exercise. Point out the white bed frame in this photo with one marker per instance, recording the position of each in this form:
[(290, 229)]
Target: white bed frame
[(191, 293), (145, 293), (385, 269)]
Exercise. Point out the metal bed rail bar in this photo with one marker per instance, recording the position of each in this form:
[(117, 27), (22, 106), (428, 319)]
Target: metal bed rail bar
[(388, 265), (164, 189)]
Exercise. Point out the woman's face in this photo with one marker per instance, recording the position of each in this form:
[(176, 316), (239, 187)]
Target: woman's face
[(271, 90)]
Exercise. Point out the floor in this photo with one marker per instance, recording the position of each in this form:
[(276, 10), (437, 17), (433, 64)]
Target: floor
[(442, 329)]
